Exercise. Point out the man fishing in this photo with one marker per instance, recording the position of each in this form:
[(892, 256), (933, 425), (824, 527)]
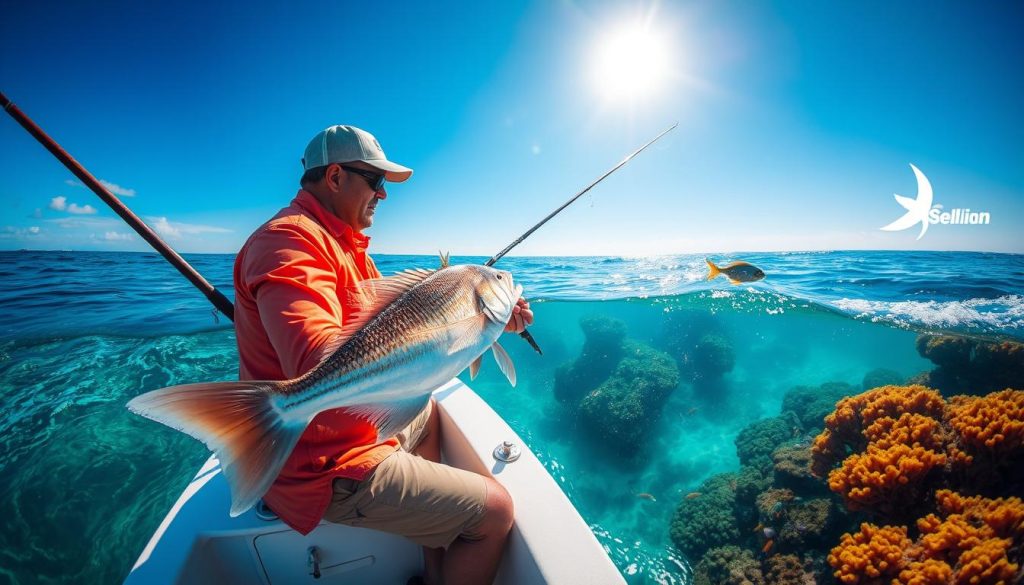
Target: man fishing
[(295, 280)]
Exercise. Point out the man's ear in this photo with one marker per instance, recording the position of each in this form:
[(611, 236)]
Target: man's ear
[(334, 177)]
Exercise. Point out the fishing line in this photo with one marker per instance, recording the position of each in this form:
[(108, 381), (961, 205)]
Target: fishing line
[(526, 334)]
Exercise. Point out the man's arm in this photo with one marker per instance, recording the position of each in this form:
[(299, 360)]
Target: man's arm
[(296, 289)]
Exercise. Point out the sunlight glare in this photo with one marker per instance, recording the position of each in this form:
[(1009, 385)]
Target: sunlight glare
[(630, 63)]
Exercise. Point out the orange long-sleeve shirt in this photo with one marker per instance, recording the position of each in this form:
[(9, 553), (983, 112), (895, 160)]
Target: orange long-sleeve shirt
[(292, 279)]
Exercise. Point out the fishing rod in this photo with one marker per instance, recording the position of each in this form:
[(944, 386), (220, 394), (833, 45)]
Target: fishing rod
[(526, 334), (218, 299)]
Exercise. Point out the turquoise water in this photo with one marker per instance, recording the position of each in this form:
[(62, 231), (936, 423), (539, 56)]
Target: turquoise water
[(83, 483)]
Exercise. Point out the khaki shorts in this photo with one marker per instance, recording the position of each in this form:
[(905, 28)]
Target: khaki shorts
[(430, 503)]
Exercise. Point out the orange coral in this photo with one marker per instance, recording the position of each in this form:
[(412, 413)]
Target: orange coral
[(845, 427), (926, 572), (870, 554), (885, 480), (994, 423), (972, 545)]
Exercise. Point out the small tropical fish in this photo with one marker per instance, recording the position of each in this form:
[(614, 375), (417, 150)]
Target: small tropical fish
[(693, 495), (691, 411), (759, 527), (768, 532), (768, 546), (646, 496), (415, 331), (737, 272)]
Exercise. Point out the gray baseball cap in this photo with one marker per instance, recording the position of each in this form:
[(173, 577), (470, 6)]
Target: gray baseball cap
[(342, 144)]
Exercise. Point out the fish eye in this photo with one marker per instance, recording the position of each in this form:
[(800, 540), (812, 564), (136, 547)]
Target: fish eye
[(499, 277)]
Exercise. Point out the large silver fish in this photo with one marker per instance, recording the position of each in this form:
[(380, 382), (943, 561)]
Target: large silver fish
[(417, 330)]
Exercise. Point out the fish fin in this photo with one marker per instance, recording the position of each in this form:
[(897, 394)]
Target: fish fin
[(474, 368), (465, 333), (504, 363), (445, 263), (390, 417), (735, 282), (238, 421), (714, 269), (373, 296)]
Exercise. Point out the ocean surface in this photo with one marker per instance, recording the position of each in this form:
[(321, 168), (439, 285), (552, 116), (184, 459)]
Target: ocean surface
[(83, 482)]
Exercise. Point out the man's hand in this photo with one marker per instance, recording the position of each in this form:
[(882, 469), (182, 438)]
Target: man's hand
[(522, 317)]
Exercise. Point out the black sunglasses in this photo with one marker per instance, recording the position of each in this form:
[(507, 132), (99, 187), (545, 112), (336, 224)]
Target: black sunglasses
[(374, 180)]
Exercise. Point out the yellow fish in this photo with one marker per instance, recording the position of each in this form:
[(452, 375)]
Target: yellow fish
[(737, 272)]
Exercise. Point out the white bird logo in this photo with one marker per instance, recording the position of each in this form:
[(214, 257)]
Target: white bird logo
[(917, 209)]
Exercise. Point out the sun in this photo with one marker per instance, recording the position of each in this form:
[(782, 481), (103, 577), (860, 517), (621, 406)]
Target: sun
[(630, 63)]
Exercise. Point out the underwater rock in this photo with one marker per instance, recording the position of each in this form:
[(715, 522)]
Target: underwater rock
[(703, 523), (728, 565), (750, 482), (755, 443), (712, 356), (771, 505), (812, 404), (809, 524), (602, 350), (789, 570), (699, 345), (969, 366), (881, 377), (792, 469), (626, 406)]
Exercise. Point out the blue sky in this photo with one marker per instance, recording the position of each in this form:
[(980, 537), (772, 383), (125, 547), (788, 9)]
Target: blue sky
[(797, 121)]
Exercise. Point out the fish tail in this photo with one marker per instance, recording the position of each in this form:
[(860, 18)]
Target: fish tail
[(714, 270), (238, 421)]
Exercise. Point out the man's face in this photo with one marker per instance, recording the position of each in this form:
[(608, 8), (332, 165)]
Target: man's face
[(355, 201)]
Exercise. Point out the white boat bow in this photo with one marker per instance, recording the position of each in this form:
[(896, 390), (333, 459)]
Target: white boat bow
[(198, 542)]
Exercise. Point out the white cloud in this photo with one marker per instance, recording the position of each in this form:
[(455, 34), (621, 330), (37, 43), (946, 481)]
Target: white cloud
[(117, 237), (58, 203), (164, 228), (92, 223), (117, 189), (174, 229), (33, 230), (83, 210), (112, 187)]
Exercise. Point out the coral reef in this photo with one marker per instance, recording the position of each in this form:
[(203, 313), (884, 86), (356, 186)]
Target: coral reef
[(708, 521), (969, 366), (979, 541), (602, 350), (808, 524), (789, 570), (624, 408), (728, 565), (792, 469), (712, 356), (897, 445), (881, 377), (988, 454), (871, 555), (812, 404), (844, 427), (755, 443)]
